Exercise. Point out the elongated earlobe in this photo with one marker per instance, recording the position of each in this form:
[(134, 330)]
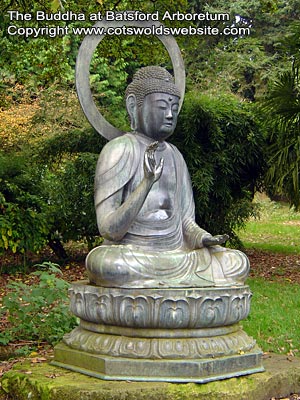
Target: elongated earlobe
[(132, 111)]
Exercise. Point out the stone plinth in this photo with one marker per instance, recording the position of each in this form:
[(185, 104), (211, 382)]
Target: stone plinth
[(172, 335), (43, 381)]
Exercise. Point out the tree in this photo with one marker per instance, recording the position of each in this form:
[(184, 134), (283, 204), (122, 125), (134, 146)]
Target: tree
[(242, 64), (281, 108)]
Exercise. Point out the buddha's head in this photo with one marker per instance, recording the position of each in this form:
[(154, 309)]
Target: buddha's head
[(152, 101)]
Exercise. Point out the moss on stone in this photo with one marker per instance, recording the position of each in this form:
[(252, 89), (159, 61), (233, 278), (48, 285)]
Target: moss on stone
[(47, 382)]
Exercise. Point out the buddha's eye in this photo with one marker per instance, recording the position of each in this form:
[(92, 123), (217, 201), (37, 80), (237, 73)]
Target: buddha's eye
[(162, 105)]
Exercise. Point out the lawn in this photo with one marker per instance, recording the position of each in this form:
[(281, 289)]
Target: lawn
[(274, 318), (274, 242), (277, 229)]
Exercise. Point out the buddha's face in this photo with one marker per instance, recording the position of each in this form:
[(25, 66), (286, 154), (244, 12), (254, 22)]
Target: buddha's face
[(157, 117)]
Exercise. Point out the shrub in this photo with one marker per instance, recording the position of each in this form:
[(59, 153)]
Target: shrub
[(38, 312), (224, 150), (70, 192), (23, 222), (68, 170), (16, 124)]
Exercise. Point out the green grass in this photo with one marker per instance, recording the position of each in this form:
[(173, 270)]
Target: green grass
[(274, 320), (277, 229)]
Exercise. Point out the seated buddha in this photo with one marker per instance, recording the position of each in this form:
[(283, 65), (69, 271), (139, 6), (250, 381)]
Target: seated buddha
[(145, 207)]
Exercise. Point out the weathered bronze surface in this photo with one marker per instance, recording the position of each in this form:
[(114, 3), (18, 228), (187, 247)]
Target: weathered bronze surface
[(144, 203), (170, 309), (164, 298)]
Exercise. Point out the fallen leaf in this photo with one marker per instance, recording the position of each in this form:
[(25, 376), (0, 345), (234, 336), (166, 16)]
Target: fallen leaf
[(52, 376), (38, 360)]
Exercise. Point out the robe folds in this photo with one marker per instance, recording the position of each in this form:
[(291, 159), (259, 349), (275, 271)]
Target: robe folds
[(158, 249)]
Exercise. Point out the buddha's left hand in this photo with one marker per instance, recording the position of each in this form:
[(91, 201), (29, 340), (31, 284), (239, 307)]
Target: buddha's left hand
[(208, 241)]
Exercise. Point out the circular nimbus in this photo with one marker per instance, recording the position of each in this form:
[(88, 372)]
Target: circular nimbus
[(83, 62)]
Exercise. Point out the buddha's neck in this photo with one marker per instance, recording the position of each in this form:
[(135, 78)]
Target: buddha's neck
[(148, 140)]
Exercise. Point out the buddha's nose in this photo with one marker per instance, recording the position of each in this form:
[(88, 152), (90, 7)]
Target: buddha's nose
[(169, 114)]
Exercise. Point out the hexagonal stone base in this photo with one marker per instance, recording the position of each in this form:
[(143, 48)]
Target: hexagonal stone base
[(171, 335), (196, 370)]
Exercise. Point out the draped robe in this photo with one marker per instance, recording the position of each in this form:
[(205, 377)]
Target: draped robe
[(158, 249)]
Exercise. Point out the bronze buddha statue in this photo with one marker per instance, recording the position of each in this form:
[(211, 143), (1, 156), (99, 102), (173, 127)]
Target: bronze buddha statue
[(145, 206)]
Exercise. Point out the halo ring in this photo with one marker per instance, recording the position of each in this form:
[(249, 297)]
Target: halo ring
[(85, 53)]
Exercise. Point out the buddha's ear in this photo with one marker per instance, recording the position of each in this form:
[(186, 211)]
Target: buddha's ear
[(131, 106)]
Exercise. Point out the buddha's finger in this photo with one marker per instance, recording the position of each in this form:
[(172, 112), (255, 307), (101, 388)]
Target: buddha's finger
[(147, 162), (161, 165)]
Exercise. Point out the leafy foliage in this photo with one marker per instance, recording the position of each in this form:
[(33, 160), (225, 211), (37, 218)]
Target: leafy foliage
[(38, 312), (23, 221), (282, 108), (223, 147), (37, 64), (284, 97), (69, 190), (244, 64), (52, 192), (65, 157), (15, 124), (47, 187)]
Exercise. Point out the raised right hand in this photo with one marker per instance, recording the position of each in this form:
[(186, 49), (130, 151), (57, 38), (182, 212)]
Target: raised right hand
[(152, 171)]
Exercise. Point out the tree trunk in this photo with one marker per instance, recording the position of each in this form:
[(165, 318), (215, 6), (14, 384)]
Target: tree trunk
[(58, 248)]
